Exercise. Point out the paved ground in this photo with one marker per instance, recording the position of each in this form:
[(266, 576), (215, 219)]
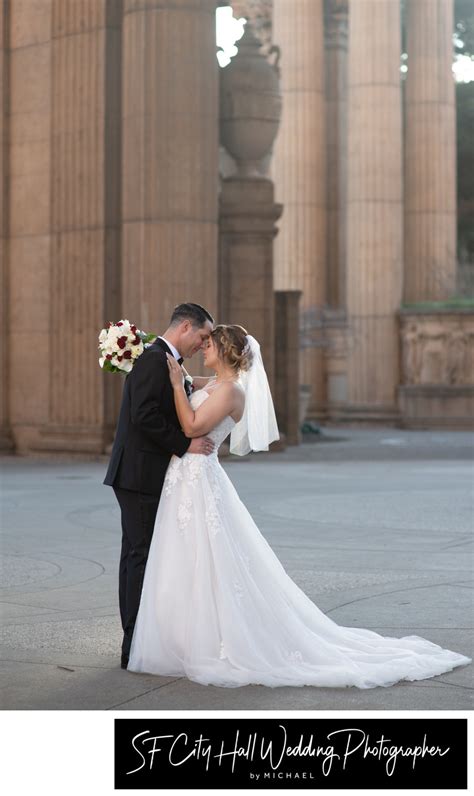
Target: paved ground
[(375, 526)]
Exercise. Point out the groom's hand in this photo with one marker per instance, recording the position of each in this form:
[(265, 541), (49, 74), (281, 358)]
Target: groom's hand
[(201, 445)]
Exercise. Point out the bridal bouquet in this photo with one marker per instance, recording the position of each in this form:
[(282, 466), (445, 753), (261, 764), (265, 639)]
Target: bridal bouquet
[(120, 345)]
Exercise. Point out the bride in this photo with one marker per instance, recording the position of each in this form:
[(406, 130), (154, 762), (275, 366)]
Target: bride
[(217, 606)]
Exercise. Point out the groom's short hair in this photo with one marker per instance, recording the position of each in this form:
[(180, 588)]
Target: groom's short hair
[(190, 312)]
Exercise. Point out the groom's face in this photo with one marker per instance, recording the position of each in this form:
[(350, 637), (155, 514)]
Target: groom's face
[(194, 338)]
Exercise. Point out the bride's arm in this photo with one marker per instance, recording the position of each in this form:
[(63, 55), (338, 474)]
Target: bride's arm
[(220, 404)]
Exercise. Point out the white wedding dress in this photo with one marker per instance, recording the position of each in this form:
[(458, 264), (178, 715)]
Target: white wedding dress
[(218, 607)]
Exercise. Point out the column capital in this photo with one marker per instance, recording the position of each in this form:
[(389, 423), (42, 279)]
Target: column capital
[(336, 24)]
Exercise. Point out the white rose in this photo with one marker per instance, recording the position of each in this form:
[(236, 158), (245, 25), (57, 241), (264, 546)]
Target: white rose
[(113, 333), (103, 335), (125, 328), (136, 350)]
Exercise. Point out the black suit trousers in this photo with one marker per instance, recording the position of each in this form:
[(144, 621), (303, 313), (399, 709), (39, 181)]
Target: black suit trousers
[(138, 520)]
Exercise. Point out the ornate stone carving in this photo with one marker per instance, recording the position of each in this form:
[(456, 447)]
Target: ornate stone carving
[(259, 13), (437, 349), (336, 23)]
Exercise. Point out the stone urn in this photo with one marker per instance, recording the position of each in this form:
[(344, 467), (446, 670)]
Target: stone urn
[(250, 106)]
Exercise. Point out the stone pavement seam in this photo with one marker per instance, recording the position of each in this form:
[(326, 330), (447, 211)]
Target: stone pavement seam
[(150, 691), (386, 593)]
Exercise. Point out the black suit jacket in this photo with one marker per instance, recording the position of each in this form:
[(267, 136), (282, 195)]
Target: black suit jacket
[(148, 430)]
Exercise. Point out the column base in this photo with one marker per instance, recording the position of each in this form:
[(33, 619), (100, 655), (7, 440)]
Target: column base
[(357, 415), (6, 441), (61, 439), (436, 406)]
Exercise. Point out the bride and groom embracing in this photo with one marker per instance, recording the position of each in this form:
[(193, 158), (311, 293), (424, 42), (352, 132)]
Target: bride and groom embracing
[(202, 594)]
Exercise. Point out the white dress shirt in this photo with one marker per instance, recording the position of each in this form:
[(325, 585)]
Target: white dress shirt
[(174, 350)]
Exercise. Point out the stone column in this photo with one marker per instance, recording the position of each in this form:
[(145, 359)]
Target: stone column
[(336, 30), (170, 158), (85, 207), (287, 380), (65, 194), (247, 229), (5, 437), (430, 152), (299, 172), (374, 207), (29, 244)]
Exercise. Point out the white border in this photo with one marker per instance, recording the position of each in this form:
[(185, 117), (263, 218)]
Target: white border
[(71, 753)]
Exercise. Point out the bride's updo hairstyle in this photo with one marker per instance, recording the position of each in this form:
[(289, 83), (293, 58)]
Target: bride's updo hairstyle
[(232, 346)]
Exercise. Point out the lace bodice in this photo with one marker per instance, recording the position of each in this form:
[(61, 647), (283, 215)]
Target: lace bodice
[(223, 429)]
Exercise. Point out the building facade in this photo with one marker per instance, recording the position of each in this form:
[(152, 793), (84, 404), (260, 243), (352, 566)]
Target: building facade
[(112, 185)]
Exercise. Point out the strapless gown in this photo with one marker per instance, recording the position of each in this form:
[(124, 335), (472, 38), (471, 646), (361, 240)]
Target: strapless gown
[(218, 607)]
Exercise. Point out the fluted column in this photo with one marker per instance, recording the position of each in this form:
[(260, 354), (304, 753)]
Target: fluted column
[(5, 438), (374, 206), (299, 173), (170, 158), (430, 152), (85, 168), (65, 198), (336, 30), (29, 243)]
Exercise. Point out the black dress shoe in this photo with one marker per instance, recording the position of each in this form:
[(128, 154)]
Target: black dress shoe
[(124, 662)]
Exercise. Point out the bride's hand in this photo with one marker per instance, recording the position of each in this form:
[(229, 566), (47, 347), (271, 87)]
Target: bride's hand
[(176, 374)]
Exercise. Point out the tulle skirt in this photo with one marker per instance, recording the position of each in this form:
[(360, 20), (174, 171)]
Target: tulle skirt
[(218, 607)]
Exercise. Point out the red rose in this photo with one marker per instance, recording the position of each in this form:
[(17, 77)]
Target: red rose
[(133, 328), (119, 358), (108, 356), (127, 354), (136, 341), (120, 323), (122, 342)]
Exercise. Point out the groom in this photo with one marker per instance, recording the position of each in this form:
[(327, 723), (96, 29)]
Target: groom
[(148, 433)]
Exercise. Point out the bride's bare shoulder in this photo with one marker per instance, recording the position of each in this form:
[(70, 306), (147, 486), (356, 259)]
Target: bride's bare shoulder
[(235, 389), (238, 393), (239, 389)]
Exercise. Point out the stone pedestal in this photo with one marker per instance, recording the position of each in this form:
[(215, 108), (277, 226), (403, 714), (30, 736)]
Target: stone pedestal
[(170, 159), (247, 228), (437, 386), (287, 380), (336, 356), (298, 169), (374, 208), (430, 153)]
